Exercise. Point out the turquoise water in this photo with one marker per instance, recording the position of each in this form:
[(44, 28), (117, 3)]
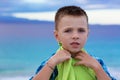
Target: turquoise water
[(23, 48)]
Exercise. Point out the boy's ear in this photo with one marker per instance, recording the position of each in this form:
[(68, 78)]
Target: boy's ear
[(56, 35)]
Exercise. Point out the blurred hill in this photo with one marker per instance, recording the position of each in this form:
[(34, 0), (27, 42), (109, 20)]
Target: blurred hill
[(10, 19)]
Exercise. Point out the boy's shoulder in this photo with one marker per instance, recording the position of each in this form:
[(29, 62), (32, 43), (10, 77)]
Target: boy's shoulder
[(99, 60)]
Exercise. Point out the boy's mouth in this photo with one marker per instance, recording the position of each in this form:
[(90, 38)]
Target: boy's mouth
[(75, 44)]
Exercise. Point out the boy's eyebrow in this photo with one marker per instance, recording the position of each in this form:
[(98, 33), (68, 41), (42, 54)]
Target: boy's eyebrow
[(73, 27), (82, 28), (68, 28)]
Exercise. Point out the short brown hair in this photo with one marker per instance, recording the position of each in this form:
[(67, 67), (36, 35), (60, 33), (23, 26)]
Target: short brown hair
[(69, 10)]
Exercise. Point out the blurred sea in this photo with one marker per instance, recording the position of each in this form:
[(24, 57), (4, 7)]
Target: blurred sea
[(23, 46)]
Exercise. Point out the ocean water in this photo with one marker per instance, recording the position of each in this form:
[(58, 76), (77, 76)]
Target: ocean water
[(24, 46)]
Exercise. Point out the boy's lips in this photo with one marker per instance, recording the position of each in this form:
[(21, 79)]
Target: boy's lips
[(75, 44)]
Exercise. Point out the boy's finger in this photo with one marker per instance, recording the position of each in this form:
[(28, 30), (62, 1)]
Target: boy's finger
[(78, 63)]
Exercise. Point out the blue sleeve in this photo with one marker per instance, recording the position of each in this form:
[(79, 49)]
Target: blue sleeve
[(54, 74), (105, 68)]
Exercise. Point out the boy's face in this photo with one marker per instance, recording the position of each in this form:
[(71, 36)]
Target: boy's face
[(72, 32)]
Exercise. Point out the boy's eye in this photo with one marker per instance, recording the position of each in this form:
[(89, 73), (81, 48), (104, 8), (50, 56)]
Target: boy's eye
[(81, 30), (68, 30)]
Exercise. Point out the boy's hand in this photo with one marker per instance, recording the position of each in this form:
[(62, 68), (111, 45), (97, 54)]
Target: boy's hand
[(59, 57), (86, 60)]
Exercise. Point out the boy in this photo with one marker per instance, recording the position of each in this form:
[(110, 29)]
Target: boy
[(71, 61)]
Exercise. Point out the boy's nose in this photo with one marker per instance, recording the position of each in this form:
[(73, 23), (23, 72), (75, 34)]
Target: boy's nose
[(75, 36)]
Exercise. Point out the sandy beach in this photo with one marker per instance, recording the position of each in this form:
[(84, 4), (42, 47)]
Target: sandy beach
[(15, 78)]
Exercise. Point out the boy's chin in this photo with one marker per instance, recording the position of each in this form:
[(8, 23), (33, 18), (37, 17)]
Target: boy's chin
[(73, 53)]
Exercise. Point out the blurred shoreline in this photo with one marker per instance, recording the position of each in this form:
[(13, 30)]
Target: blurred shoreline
[(15, 78)]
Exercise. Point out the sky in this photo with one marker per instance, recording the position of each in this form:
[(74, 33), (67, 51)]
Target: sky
[(45, 9)]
